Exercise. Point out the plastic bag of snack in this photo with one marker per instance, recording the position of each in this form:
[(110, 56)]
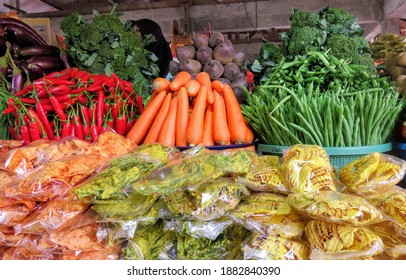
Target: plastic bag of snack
[(148, 243), (395, 244), (270, 247), (336, 207), (199, 229), (132, 207), (225, 247), (54, 178), (53, 214), (307, 168), (209, 200), (192, 170), (392, 203), (339, 241), (265, 175), (268, 213), (7, 145), (121, 172), (371, 172), (13, 211)]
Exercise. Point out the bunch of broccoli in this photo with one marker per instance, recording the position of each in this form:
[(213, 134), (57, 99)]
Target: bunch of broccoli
[(330, 28), (104, 44)]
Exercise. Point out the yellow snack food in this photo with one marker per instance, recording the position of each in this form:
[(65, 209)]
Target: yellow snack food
[(335, 241), (335, 207)]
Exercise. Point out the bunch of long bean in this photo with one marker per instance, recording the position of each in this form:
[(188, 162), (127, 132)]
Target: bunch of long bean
[(318, 99)]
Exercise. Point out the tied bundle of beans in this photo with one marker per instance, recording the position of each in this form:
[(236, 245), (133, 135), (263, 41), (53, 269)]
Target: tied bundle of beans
[(74, 103)]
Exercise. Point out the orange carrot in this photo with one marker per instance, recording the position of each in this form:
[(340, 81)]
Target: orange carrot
[(182, 117), (153, 95), (192, 87), (235, 118), (208, 139), (167, 134), (156, 126), (217, 85), (143, 123), (204, 79), (160, 84), (194, 132), (249, 135), (180, 80), (221, 132)]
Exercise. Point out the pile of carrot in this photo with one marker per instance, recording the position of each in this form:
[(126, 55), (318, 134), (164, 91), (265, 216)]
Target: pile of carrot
[(191, 111)]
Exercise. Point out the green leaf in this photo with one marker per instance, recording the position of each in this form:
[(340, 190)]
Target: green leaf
[(115, 45), (90, 60), (108, 69), (128, 60)]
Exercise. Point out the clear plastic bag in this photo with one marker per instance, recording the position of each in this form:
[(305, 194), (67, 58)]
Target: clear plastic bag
[(199, 229), (190, 171), (268, 213), (117, 176), (54, 178), (392, 203), (209, 200), (270, 247), (372, 172), (332, 241), (307, 168), (395, 244), (265, 175), (335, 207)]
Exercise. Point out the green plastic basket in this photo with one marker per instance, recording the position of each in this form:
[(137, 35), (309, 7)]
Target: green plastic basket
[(339, 156)]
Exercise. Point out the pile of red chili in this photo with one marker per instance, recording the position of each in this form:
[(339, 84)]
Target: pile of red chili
[(75, 103)]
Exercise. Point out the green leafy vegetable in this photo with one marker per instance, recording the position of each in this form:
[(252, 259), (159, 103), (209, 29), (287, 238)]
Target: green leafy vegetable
[(104, 44)]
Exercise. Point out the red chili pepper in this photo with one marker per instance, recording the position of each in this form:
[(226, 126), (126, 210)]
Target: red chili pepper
[(36, 120), (78, 127), (57, 107), (66, 128), (18, 135), (57, 82), (13, 133), (9, 110), (57, 129), (25, 134), (94, 88), (120, 127), (44, 120), (85, 115), (59, 89), (25, 90), (77, 90), (140, 104), (34, 130), (128, 124), (100, 109)]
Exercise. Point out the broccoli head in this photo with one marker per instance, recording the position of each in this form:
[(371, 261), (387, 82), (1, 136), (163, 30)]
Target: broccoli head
[(339, 21), (306, 39), (90, 37), (354, 48), (302, 18), (72, 25)]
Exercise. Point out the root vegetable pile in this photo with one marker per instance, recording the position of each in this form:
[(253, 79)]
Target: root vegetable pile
[(189, 112)]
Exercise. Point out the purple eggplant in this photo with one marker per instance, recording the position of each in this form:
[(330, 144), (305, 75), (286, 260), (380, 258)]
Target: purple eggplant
[(65, 60), (36, 58), (38, 50), (23, 26), (17, 82)]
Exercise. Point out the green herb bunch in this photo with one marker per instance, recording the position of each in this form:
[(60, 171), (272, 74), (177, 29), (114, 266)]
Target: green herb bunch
[(104, 44)]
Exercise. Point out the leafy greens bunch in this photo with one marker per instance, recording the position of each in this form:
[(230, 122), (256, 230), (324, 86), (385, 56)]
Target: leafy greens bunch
[(104, 44), (330, 28)]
